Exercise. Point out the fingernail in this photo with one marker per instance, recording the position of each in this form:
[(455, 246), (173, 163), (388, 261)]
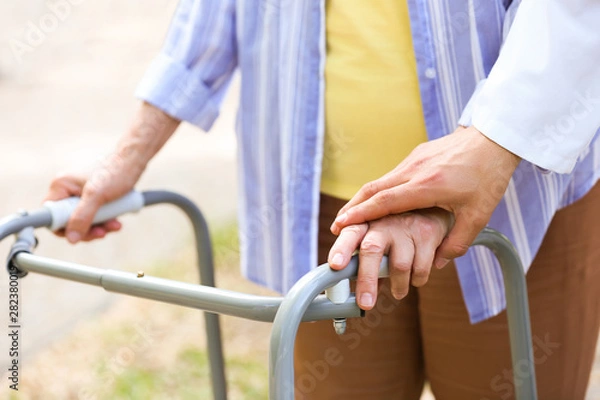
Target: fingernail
[(342, 218), (366, 300), (73, 237), (334, 228), (398, 295), (441, 263), (337, 259)]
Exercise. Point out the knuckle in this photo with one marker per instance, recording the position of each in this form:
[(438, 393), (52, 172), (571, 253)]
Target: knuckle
[(59, 180), (426, 228), (383, 197), (420, 272), (371, 246), (408, 219), (434, 178), (418, 281), (369, 188), (479, 221), (368, 281), (458, 250), (354, 229), (93, 193), (90, 190), (78, 222), (401, 267)]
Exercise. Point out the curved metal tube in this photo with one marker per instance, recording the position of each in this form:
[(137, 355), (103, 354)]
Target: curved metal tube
[(17, 222), (517, 310), (207, 278), (287, 321)]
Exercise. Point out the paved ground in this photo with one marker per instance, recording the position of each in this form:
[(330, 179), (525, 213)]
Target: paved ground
[(63, 106)]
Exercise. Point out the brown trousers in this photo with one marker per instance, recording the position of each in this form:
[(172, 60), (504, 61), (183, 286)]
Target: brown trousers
[(390, 352)]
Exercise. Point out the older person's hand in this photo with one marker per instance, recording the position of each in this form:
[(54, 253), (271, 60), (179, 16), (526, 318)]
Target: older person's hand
[(410, 241), (116, 176), (464, 173)]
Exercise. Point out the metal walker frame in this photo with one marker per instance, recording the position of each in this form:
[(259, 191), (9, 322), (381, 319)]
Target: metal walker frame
[(302, 303)]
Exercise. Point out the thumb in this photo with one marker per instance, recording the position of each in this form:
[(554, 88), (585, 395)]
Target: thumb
[(457, 243), (81, 220)]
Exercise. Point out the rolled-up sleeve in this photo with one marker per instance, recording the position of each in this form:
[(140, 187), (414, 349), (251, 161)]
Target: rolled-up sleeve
[(541, 100), (188, 78)]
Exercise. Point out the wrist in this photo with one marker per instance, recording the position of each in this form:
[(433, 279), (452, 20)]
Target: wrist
[(506, 160)]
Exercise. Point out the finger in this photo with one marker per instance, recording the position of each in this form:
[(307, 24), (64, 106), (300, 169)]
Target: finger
[(112, 225), (95, 232), (390, 201), (65, 186), (98, 231), (348, 241), (400, 262), (463, 233), (425, 248), (372, 249), (101, 230), (370, 189), (81, 220)]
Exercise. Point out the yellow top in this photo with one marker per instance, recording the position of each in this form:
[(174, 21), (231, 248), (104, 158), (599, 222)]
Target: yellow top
[(373, 111)]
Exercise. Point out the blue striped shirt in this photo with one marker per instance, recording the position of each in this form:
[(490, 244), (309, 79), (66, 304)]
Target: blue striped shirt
[(279, 48)]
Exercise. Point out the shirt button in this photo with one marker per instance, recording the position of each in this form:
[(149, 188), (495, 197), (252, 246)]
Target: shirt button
[(430, 73)]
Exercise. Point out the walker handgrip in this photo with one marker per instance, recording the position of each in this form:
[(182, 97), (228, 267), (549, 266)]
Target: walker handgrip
[(61, 210)]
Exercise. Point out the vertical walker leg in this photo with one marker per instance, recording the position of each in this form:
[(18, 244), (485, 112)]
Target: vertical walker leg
[(517, 309), (207, 278)]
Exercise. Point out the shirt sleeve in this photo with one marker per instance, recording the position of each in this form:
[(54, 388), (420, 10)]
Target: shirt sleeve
[(541, 100), (188, 78)]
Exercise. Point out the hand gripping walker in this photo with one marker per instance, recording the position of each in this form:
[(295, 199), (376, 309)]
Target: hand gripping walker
[(303, 302)]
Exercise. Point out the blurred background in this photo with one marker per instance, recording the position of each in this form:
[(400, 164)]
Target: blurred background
[(68, 70)]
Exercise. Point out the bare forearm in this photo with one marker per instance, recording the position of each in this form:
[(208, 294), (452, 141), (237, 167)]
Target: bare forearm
[(149, 131), (117, 175)]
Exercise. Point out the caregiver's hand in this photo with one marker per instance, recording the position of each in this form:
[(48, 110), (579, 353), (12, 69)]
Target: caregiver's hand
[(464, 173), (409, 240)]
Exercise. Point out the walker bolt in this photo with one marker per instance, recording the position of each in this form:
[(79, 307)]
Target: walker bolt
[(340, 325)]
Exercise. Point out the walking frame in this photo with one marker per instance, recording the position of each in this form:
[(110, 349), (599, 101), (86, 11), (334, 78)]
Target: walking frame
[(304, 302)]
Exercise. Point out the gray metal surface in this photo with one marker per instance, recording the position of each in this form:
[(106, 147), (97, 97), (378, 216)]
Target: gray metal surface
[(207, 278), (17, 222), (517, 309), (209, 299), (285, 326)]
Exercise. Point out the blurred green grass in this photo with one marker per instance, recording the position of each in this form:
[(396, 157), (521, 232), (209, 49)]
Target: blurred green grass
[(190, 376), (189, 380)]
